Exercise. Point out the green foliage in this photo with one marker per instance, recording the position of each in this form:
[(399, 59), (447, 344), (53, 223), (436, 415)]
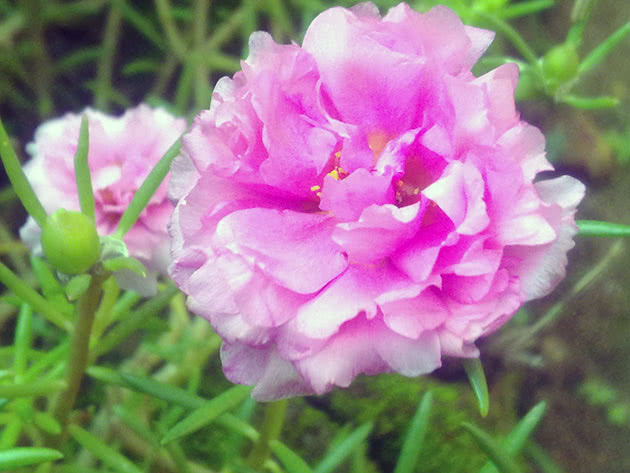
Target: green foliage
[(407, 460), (477, 378), (390, 401), (26, 456)]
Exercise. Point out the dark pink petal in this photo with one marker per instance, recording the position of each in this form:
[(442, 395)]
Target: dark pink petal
[(368, 83)]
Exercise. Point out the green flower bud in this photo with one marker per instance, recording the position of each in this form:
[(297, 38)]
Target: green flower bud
[(70, 242), (560, 64)]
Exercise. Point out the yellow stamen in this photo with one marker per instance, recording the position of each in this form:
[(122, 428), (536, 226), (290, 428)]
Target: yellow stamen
[(315, 188)]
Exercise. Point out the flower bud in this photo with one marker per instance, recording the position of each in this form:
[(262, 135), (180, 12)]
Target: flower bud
[(560, 64), (70, 241)]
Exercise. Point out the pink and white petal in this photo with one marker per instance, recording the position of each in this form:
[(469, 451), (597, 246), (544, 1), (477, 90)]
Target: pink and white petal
[(525, 230), (264, 303), (438, 34), (418, 257), (407, 356), (467, 289), (541, 268), (353, 66), (380, 231), (365, 346), (480, 41), (294, 248), (525, 144), (563, 191), (471, 126), (348, 198), (346, 355), (358, 290), (499, 85), (183, 178), (274, 377), (474, 319), (454, 345), (411, 317), (470, 257), (460, 195)]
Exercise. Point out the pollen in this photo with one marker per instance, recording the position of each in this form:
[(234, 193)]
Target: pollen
[(315, 188), (334, 174)]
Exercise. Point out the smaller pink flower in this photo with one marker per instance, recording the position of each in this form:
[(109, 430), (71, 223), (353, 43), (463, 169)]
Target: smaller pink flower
[(122, 152)]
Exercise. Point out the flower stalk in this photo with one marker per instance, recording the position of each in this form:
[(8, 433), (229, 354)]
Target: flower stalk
[(79, 348), (275, 413)]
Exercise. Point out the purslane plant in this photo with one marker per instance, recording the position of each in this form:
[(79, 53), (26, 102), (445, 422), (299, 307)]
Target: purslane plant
[(88, 287)]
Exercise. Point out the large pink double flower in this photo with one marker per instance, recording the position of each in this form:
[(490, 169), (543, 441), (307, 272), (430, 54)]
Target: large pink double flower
[(363, 203)]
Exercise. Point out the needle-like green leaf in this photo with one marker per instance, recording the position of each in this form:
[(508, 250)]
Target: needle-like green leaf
[(477, 378), (516, 439), (82, 171), (291, 461), (102, 451), (337, 455), (20, 184), (206, 414), (589, 103), (415, 436), (520, 9), (143, 195), (19, 457), (497, 454), (40, 388), (602, 50)]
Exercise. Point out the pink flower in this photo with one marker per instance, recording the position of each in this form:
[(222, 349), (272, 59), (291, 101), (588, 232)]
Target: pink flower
[(122, 152), (363, 203)]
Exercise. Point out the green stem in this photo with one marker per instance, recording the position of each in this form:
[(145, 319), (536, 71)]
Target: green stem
[(596, 228), (133, 321), (164, 11), (12, 247), (103, 316), (226, 30), (79, 348), (517, 40), (272, 425), (202, 72), (164, 76), (33, 298), (33, 11), (106, 63)]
